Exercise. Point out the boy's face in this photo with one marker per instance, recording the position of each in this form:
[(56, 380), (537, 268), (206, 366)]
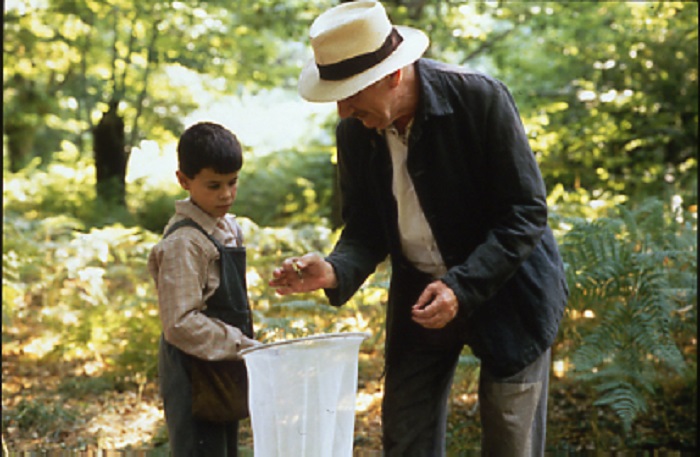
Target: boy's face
[(213, 192)]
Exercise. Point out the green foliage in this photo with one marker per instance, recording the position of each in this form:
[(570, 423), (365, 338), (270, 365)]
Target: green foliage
[(153, 206), (91, 292), (65, 60), (287, 188), (65, 186), (607, 90), (88, 289), (633, 302), (85, 386), (37, 415), (277, 317)]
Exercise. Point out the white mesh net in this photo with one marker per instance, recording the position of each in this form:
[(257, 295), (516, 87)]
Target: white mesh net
[(302, 395)]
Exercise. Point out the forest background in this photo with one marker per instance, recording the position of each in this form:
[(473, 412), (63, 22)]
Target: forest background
[(96, 93)]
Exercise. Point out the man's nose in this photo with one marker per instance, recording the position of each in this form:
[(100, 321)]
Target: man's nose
[(344, 109)]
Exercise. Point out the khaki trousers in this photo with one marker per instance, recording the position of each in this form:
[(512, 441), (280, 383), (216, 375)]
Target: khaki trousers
[(513, 409)]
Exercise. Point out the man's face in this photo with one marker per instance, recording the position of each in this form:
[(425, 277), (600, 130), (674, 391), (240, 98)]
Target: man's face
[(212, 192), (371, 105)]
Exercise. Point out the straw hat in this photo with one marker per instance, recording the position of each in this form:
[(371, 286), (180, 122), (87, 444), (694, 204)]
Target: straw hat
[(354, 46)]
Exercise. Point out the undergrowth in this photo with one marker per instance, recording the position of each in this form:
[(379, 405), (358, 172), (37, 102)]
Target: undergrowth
[(630, 325)]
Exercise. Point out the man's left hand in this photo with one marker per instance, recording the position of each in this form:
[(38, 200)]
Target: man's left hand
[(436, 306)]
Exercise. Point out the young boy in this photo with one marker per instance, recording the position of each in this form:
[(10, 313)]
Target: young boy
[(199, 271)]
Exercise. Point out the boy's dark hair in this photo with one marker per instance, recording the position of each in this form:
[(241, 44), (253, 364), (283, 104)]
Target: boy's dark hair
[(208, 145)]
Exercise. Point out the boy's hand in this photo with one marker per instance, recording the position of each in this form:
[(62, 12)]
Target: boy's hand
[(249, 343), (303, 274), (246, 343)]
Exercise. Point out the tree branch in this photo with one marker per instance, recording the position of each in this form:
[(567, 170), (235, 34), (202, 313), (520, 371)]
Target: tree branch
[(115, 55), (129, 50), (486, 45), (144, 88)]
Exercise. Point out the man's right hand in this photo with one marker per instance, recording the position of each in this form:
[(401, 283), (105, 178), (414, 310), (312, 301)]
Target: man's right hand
[(303, 274)]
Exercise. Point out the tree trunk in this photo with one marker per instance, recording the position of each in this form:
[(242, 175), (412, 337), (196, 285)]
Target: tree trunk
[(20, 142), (110, 157)]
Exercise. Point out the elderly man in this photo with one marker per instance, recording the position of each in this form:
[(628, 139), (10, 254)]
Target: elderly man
[(436, 172)]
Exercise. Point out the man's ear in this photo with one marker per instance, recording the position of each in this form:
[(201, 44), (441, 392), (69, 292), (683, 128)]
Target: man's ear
[(395, 78), (183, 180)]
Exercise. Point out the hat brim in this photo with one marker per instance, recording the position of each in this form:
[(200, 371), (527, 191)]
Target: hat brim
[(314, 89)]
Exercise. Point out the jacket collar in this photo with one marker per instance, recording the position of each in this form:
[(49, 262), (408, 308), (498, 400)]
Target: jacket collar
[(432, 101)]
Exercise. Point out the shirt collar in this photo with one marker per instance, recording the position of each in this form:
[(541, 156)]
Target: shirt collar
[(187, 209), (394, 131)]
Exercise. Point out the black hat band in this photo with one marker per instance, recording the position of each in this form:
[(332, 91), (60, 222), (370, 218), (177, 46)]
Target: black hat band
[(356, 65)]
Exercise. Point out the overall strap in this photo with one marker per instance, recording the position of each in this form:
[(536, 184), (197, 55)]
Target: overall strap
[(229, 302), (191, 223)]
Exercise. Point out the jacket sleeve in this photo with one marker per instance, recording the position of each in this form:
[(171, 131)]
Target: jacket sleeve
[(362, 244), (514, 202)]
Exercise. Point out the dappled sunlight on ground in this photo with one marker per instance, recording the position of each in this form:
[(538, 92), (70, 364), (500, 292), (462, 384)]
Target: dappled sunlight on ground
[(366, 400), (126, 422), (51, 404), (41, 345)]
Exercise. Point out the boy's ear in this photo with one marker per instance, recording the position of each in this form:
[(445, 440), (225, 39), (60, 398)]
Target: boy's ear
[(183, 180)]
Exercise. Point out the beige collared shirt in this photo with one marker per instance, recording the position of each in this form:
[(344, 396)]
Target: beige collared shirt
[(186, 269), (417, 240)]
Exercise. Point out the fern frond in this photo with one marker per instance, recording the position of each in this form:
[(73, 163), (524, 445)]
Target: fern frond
[(625, 400), (635, 272)]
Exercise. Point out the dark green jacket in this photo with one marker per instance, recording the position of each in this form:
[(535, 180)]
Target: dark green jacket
[(483, 195)]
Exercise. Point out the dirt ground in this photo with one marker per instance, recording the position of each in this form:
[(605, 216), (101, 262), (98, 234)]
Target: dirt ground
[(51, 405)]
